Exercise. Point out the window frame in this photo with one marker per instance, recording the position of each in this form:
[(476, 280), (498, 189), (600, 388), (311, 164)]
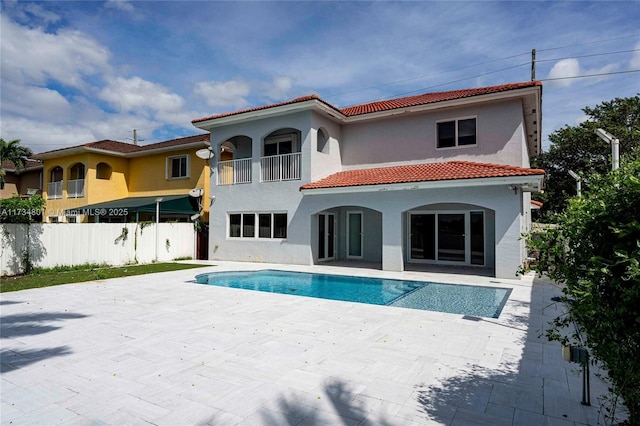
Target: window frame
[(169, 167), (277, 140), (256, 226), (456, 132)]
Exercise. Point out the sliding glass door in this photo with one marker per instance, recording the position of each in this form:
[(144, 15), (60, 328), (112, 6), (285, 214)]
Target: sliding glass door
[(326, 236), (447, 237)]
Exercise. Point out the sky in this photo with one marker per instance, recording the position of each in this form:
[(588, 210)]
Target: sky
[(74, 72)]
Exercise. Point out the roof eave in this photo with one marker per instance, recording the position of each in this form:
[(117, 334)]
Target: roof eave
[(527, 183), (75, 150), (271, 112), (191, 145), (507, 94)]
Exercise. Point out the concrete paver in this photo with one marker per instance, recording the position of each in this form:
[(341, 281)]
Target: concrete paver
[(161, 349)]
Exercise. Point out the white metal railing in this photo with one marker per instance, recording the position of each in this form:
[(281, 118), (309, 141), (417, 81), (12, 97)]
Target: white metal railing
[(54, 190), (280, 167), (75, 188), (232, 172)]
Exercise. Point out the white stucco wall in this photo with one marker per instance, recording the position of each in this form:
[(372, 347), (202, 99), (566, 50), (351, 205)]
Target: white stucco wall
[(412, 137)]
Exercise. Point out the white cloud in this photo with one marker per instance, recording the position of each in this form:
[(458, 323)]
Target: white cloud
[(224, 94), (565, 69), (123, 5), (35, 102), (136, 94), (39, 12), (32, 56), (634, 63), (279, 87)]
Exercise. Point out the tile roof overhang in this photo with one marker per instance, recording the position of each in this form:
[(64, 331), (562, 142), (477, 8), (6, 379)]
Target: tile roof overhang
[(30, 164), (123, 149), (530, 92), (449, 174)]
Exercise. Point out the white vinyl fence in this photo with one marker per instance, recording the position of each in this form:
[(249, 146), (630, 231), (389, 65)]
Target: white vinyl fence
[(53, 244)]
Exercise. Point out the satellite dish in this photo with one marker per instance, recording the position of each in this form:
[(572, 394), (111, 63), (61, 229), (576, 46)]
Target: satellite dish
[(205, 154), (196, 192)]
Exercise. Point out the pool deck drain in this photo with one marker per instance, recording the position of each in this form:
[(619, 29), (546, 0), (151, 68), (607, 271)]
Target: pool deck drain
[(159, 349)]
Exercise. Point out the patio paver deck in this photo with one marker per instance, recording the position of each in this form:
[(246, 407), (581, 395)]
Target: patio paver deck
[(160, 349)]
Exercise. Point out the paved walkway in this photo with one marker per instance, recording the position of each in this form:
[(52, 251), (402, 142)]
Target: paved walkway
[(160, 349)]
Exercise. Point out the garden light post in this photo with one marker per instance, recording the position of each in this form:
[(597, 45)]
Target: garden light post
[(615, 146), (578, 181)]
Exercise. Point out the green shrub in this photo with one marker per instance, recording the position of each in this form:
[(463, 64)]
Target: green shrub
[(595, 254)]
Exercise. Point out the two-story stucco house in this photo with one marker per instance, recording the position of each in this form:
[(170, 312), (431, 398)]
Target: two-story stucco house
[(434, 179)]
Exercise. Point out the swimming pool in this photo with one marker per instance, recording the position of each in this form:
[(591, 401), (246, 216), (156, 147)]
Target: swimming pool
[(452, 298)]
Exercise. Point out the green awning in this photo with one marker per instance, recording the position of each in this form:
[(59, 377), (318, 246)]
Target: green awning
[(170, 204)]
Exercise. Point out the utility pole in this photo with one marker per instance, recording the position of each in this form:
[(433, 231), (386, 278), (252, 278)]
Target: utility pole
[(533, 64), (135, 137)]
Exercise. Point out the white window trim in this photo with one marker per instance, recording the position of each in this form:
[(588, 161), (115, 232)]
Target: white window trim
[(256, 234), (167, 170), (456, 146)]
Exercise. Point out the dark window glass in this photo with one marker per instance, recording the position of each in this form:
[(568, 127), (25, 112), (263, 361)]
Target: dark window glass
[(234, 225), (264, 224), (477, 238), (280, 225), (447, 134), (270, 149), (179, 167), (467, 132), (423, 236), (321, 223), (285, 147), (249, 225)]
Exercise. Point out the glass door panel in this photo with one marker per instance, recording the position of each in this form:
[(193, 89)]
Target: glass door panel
[(326, 236), (423, 236), (331, 237), (477, 238), (354, 230), (451, 237)]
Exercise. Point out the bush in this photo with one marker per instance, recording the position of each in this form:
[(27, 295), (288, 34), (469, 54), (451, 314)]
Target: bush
[(595, 254)]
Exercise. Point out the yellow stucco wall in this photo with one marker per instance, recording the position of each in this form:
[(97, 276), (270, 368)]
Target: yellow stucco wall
[(130, 177)]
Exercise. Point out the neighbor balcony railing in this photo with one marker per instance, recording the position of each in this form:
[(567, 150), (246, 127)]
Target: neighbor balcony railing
[(54, 190), (232, 172), (75, 188), (280, 167)]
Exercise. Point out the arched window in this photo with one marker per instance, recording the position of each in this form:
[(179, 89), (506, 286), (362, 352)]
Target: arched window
[(56, 174), (103, 171), (76, 171), (323, 139)]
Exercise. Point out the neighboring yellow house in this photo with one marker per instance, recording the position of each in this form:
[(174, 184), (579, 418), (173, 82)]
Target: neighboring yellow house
[(110, 181)]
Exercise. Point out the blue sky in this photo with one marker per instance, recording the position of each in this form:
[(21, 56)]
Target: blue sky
[(74, 72)]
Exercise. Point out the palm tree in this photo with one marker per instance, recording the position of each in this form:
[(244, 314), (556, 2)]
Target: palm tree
[(13, 152)]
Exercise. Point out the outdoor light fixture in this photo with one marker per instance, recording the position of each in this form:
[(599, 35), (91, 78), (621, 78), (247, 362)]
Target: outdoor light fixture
[(615, 146), (578, 181)]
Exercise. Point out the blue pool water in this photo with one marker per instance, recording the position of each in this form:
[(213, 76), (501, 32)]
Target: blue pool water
[(451, 298)]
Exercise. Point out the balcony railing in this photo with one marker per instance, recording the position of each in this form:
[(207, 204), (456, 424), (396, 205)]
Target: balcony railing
[(54, 190), (233, 172), (75, 189), (280, 167)]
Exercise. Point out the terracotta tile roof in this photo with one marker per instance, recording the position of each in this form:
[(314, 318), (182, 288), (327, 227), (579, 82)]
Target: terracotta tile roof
[(451, 170), (293, 101), (29, 164), (429, 98), (390, 104), (127, 148)]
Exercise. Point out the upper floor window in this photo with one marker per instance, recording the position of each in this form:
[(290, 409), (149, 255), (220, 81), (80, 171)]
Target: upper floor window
[(279, 145), (460, 132), (103, 171), (177, 167)]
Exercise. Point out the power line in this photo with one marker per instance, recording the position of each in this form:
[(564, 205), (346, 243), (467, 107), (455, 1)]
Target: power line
[(584, 44), (590, 75), (588, 56)]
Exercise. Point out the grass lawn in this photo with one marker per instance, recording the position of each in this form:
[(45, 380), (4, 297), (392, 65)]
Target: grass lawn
[(66, 275)]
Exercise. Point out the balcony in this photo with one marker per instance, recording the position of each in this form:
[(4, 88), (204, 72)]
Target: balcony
[(75, 188), (54, 190), (276, 168), (234, 172)]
